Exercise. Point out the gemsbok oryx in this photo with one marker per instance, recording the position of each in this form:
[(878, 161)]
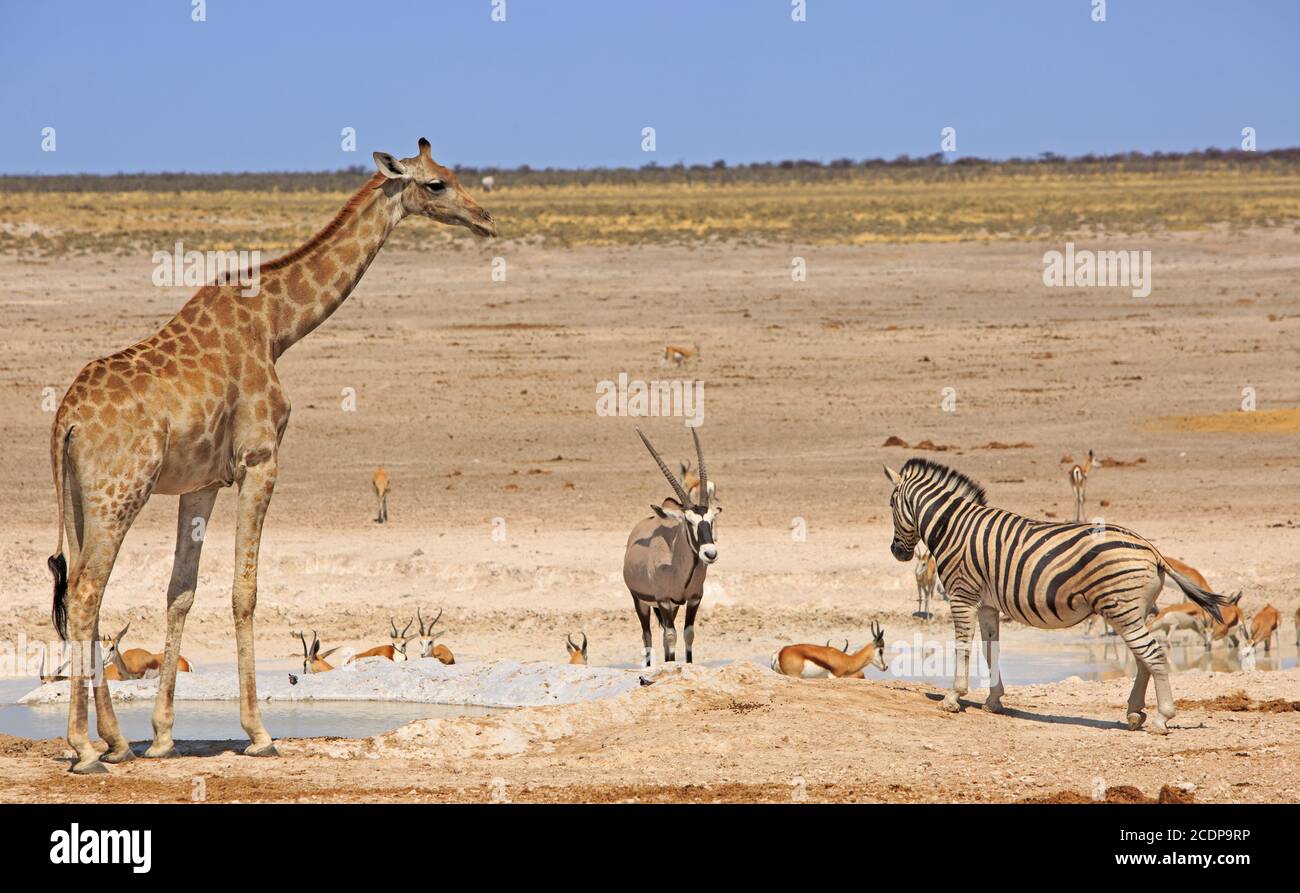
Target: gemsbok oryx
[(818, 662), (1079, 482), (427, 640), (668, 555), (1040, 573), (134, 663), (196, 407), (381, 484), (577, 653), (395, 650)]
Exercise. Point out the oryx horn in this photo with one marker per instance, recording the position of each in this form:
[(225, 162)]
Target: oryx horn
[(672, 478), (704, 472)]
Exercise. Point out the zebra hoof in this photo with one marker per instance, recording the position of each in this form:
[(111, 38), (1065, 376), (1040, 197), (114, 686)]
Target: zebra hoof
[(1157, 726), (264, 750), (89, 767), (992, 706), (161, 753), (1135, 720), (950, 705), (118, 756)]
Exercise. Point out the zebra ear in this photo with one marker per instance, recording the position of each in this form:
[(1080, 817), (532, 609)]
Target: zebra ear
[(893, 476)]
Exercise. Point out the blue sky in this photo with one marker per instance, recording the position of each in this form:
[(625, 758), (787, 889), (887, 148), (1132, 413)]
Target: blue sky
[(139, 86)]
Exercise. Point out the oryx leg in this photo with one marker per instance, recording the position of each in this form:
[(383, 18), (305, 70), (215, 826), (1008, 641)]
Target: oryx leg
[(643, 614), (180, 597), (990, 621), (668, 623), (963, 617), (688, 632)]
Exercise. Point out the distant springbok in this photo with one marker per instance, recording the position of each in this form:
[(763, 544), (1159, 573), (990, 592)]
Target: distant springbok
[(426, 640), (691, 483), (313, 661), (396, 651), (818, 662), (668, 555), (381, 483), (927, 575), (679, 355), (577, 654), (1079, 481), (488, 183), (134, 663)]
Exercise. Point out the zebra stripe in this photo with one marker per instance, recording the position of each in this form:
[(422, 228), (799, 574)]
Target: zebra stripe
[(1048, 575)]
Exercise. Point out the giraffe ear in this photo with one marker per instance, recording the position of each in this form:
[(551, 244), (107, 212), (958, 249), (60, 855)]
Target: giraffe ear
[(389, 166)]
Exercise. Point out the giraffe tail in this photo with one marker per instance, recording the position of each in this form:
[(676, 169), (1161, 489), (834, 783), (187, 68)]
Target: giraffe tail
[(57, 564), (1210, 601)]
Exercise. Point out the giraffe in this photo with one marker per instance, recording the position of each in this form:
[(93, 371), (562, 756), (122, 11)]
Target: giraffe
[(197, 407)]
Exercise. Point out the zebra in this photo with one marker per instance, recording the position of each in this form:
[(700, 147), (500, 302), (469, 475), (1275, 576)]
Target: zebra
[(1041, 573)]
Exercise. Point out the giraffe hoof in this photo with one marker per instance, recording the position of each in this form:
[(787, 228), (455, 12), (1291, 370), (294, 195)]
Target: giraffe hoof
[(114, 756), (89, 767), (992, 706), (950, 705), (263, 750), (1135, 720), (161, 753)]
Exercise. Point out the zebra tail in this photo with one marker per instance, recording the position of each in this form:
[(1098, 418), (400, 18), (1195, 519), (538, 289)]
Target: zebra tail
[(1210, 601)]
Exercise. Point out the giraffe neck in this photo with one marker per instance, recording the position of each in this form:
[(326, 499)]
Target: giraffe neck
[(306, 286)]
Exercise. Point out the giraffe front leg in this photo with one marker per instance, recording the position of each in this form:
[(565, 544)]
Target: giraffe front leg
[(180, 597), (962, 616), (255, 488)]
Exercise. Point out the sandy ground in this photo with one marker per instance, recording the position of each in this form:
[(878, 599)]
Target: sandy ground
[(479, 398)]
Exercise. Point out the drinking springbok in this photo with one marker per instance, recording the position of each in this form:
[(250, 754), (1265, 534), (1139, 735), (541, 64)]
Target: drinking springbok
[(817, 662), (426, 640), (668, 555), (1262, 628), (381, 483), (577, 655), (313, 661), (395, 651)]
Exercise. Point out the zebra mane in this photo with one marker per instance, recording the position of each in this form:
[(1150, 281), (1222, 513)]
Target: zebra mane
[(947, 478)]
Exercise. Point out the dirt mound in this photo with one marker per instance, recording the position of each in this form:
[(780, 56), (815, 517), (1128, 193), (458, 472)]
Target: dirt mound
[(1122, 793), (1239, 702)]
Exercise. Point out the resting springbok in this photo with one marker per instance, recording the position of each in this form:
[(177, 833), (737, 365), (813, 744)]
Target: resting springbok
[(134, 663), (1263, 627), (1079, 481), (313, 661), (380, 483), (691, 482), (818, 662), (927, 575), (426, 640), (668, 555), (679, 355), (395, 651), (577, 655)]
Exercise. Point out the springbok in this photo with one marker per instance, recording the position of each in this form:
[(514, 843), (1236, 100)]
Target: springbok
[(488, 183), (577, 655), (668, 556), (1079, 481), (380, 483), (691, 483), (313, 661), (1263, 627), (134, 663), (426, 640), (1181, 617), (679, 355), (396, 651), (818, 662), (927, 575), (1229, 627)]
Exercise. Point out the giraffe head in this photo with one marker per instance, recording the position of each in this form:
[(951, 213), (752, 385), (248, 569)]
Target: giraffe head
[(431, 190)]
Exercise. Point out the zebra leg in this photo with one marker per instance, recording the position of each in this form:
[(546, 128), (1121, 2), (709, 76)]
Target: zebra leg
[(989, 626), (1126, 618), (962, 615), (1137, 698)]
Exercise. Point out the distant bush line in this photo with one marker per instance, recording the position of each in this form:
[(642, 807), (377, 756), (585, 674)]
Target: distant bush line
[(928, 168)]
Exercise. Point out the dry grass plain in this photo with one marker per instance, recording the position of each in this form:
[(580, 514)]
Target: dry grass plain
[(479, 398)]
